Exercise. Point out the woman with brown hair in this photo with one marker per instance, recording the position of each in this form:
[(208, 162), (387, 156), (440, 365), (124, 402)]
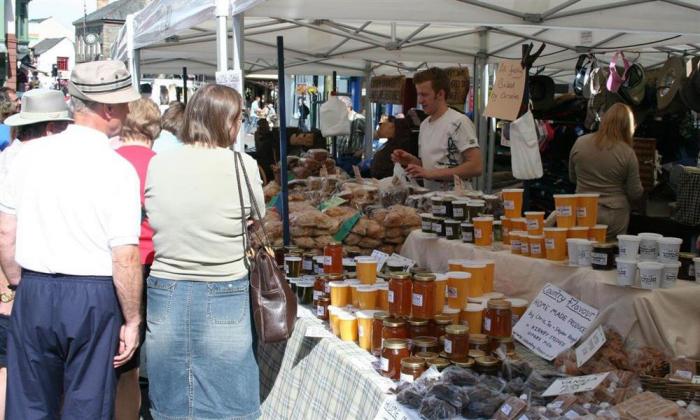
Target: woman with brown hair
[(604, 162), (199, 341)]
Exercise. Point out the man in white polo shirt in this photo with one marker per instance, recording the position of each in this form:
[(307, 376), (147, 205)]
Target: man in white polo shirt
[(70, 218)]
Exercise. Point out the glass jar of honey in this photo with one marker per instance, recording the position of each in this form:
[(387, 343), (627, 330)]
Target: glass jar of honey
[(400, 290), (498, 318), (377, 327), (475, 354), (439, 363), (320, 288), (439, 323), (466, 363), (394, 328), (393, 351), (479, 342), (426, 355), (425, 344), (488, 365), (411, 369), (322, 308), (457, 341), (423, 298), (333, 258), (418, 327), (505, 344)]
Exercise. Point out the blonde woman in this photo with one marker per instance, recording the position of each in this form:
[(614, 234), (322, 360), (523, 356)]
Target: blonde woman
[(604, 162)]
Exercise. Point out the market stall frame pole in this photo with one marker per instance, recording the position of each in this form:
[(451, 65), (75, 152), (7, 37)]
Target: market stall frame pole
[(369, 126), (335, 92), (237, 56), (133, 55), (222, 12), (481, 86), (184, 85), (283, 140)]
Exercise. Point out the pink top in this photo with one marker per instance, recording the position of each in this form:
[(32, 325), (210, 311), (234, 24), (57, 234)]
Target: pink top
[(140, 157)]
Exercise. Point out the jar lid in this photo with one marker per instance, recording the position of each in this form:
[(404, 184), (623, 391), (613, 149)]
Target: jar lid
[(400, 276), (395, 343), (442, 319), (478, 338), (413, 362), (467, 363), (336, 277), (502, 339), (425, 341), (417, 322), (444, 355), (457, 329), (309, 254), (487, 361), (394, 322), (475, 354), (439, 362), (426, 277), (467, 224), (426, 355), (381, 315), (499, 304)]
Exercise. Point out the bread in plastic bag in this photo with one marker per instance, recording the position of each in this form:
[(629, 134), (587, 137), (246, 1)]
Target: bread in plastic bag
[(459, 376)]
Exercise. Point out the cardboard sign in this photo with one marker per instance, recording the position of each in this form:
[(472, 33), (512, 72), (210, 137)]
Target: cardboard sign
[(575, 384), (459, 85), (381, 258), (407, 263), (508, 90), (590, 346), (553, 322), (387, 89)]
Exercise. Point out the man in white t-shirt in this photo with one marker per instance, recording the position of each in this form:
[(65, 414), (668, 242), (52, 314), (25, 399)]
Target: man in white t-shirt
[(447, 143)]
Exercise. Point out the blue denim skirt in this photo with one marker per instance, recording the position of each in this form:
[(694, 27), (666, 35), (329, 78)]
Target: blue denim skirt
[(200, 350)]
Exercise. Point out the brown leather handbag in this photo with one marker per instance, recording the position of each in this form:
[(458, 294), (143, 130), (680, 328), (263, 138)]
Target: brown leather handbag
[(273, 302)]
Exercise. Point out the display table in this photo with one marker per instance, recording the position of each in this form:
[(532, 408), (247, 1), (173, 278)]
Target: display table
[(663, 318)]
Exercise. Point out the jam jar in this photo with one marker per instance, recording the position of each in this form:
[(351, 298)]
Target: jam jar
[(377, 329), (447, 202), (440, 321), (498, 318), (333, 258), (505, 344), (479, 342), (424, 344), (320, 288), (457, 341), (394, 351), (465, 363), (488, 365), (603, 256), (400, 290), (453, 231), (459, 210), (467, 232), (439, 363), (418, 327), (411, 369), (438, 207), (322, 308), (423, 297), (426, 225), (439, 226), (475, 354), (307, 265), (394, 328), (426, 355)]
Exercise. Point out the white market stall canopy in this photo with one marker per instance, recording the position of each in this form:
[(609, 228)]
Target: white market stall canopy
[(401, 35)]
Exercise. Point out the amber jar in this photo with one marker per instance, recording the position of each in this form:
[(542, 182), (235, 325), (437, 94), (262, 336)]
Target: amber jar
[(393, 351), (307, 265), (439, 323), (439, 363), (322, 308), (418, 328), (479, 342), (498, 318), (487, 365), (423, 298), (412, 368), (377, 329), (320, 288), (333, 258), (475, 354), (424, 344), (332, 277), (457, 341), (394, 328), (504, 343), (400, 289), (427, 355), (466, 363)]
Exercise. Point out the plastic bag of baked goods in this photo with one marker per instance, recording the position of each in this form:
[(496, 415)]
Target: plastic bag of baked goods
[(394, 190)]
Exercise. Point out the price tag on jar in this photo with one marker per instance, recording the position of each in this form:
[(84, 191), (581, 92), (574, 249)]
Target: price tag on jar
[(448, 346), (549, 243), (581, 212), (565, 211), (477, 233), (509, 204), (417, 299), (390, 296)]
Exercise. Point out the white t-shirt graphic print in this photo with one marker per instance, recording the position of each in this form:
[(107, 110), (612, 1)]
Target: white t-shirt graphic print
[(441, 143)]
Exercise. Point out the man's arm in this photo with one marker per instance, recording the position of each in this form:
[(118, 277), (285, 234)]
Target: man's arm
[(128, 282), (8, 242), (471, 167)]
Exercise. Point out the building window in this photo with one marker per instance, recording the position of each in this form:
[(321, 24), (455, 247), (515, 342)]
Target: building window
[(62, 63)]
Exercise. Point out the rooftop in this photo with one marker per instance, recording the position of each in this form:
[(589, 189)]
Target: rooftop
[(45, 45), (115, 11)]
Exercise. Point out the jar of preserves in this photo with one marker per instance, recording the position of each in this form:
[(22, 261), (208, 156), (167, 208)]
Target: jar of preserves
[(439, 226), (467, 232), (459, 210), (423, 297), (426, 355), (488, 365), (457, 341), (307, 266), (333, 258), (394, 328), (411, 369), (279, 255), (439, 323), (400, 290), (498, 318), (475, 354), (439, 363), (377, 329), (466, 363), (418, 327), (423, 344), (453, 230), (505, 344), (330, 278), (394, 351), (479, 342), (318, 264), (320, 288), (447, 202), (322, 308), (426, 225), (438, 207)]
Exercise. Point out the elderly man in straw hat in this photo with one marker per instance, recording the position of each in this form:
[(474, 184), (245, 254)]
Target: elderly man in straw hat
[(44, 112), (70, 219)]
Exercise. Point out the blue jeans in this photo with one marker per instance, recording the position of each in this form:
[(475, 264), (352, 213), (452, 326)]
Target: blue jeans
[(200, 350)]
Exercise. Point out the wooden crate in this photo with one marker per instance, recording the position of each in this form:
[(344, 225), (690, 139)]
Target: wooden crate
[(645, 149)]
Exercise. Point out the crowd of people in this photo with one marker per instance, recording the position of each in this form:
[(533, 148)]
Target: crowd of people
[(89, 234)]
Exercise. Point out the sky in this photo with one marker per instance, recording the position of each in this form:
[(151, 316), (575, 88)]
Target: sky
[(65, 11)]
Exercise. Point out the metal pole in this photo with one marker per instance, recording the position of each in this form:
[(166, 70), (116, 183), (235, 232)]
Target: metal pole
[(222, 13), (133, 55), (237, 38), (335, 139), (369, 126), (184, 85), (482, 73), (283, 140), (314, 105), (492, 144)]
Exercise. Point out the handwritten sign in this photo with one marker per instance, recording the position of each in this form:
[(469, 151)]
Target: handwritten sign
[(392, 410), (508, 89), (381, 258), (575, 384), (406, 263), (387, 89), (554, 322), (590, 346), (459, 85)]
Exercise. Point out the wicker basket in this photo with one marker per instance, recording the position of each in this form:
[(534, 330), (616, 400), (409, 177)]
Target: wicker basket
[(670, 390)]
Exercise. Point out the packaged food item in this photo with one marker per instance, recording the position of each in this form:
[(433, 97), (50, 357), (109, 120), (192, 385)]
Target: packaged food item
[(682, 369), (510, 409)]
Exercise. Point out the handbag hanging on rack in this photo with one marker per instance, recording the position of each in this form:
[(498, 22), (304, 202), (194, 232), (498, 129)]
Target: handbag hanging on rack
[(273, 302)]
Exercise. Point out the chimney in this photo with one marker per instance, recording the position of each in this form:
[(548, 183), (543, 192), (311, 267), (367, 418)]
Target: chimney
[(102, 3)]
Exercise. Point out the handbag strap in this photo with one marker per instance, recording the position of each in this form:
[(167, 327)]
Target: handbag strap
[(255, 209)]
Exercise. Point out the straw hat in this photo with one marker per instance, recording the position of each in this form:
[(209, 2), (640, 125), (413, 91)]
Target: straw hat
[(670, 79), (105, 82), (40, 105)]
